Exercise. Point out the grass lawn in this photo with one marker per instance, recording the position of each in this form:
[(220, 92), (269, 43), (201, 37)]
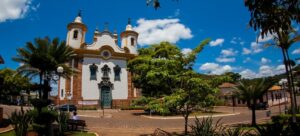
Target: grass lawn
[(72, 133), (9, 133)]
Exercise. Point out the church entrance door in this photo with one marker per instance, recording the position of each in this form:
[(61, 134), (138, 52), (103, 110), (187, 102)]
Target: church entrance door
[(106, 97)]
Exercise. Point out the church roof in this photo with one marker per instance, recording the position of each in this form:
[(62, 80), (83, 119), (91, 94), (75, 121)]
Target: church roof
[(227, 85), (275, 88)]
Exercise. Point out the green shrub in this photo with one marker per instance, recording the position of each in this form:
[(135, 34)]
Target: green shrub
[(142, 101), (62, 122), (205, 127), (20, 120), (284, 118), (42, 120), (133, 108), (220, 102)]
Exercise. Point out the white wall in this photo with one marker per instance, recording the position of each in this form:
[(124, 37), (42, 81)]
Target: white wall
[(105, 39), (90, 90)]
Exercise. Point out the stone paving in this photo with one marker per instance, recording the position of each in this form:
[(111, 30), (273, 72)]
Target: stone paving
[(132, 123)]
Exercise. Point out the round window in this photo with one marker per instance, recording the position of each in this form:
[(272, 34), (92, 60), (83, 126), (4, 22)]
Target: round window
[(106, 54)]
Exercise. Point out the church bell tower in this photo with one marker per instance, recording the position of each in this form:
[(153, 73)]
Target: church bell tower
[(76, 32)]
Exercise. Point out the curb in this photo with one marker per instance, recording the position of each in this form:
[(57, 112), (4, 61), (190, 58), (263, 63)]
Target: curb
[(7, 130), (191, 117)]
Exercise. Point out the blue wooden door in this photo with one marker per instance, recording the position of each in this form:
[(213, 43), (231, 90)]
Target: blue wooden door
[(106, 97)]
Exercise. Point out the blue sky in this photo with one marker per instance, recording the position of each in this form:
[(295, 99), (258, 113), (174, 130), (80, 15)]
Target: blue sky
[(185, 23)]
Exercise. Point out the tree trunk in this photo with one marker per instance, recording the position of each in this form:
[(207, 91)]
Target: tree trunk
[(289, 84), (46, 90), (186, 124), (186, 119), (292, 77), (253, 114)]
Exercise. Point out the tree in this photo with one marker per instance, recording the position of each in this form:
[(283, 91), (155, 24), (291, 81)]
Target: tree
[(272, 16), (13, 83), (284, 41), (42, 58), (234, 76), (163, 72), (156, 69), (251, 91), (276, 17)]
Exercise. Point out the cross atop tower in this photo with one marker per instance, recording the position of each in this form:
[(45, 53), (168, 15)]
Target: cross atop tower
[(79, 12), (129, 21), (106, 26)]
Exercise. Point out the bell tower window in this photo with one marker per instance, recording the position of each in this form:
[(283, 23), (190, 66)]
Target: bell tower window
[(132, 41), (75, 35)]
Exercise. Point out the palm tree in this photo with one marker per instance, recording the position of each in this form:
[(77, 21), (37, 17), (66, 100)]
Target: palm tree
[(284, 40), (251, 92), (41, 58)]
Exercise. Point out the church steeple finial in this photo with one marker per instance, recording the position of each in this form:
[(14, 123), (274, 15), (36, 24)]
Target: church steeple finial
[(106, 26), (129, 21), (79, 12)]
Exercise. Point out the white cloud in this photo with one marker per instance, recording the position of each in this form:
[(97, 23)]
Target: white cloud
[(266, 38), (246, 51), (216, 69), (248, 59), (13, 9), (158, 30), (280, 69), (264, 60), (186, 51), (237, 40), (226, 55), (263, 71), (256, 47), (224, 60), (249, 74), (228, 52), (296, 51), (217, 42)]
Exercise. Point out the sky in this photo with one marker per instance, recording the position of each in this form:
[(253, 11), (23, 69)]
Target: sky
[(235, 47)]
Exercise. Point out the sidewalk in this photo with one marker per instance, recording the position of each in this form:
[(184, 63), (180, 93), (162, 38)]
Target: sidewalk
[(191, 117)]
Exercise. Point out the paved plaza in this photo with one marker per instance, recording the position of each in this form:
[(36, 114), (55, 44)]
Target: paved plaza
[(134, 123)]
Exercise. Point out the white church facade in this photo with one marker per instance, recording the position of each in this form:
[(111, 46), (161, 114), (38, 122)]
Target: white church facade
[(102, 78)]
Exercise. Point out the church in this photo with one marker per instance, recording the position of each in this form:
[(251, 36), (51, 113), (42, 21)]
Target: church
[(102, 79)]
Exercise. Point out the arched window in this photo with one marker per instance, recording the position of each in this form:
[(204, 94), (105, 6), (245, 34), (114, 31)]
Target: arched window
[(132, 41), (117, 71), (75, 35), (62, 93), (93, 71)]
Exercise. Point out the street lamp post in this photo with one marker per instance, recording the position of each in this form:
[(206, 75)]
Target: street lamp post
[(59, 71)]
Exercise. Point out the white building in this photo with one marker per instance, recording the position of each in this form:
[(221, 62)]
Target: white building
[(103, 78)]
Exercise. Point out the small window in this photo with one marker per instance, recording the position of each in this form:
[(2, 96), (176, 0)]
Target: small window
[(132, 41), (62, 93), (75, 35)]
